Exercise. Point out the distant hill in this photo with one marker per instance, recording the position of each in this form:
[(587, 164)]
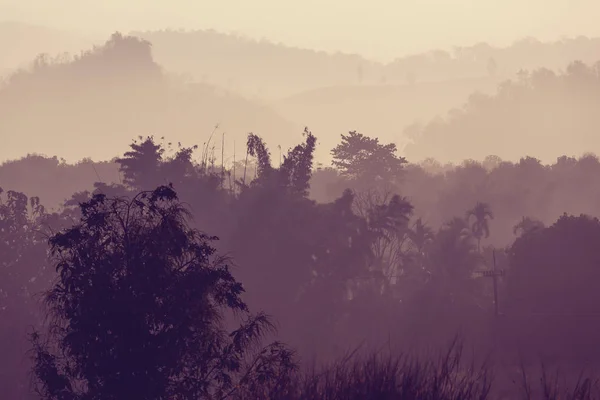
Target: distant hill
[(483, 59), (260, 68), (246, 85), (255, 68), (269, 70), (383, 111), (88, 105), (541, 114)]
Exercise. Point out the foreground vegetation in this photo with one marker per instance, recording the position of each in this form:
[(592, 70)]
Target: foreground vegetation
[(136, 312)]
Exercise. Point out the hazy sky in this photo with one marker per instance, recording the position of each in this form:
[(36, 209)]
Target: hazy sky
[(378, 28)]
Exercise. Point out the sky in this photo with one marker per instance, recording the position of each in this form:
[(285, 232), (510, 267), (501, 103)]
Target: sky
[(379, 29)]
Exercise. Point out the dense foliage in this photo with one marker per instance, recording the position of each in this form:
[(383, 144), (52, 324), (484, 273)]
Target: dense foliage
[(328, 272), (136, 311)]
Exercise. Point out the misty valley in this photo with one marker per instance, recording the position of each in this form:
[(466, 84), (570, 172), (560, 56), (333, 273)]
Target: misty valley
[(195, 215)]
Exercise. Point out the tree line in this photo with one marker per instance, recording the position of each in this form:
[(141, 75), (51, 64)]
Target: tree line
[(128, 257)]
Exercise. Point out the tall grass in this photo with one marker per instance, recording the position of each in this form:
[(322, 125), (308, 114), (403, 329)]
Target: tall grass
[(386, 378), (556, 385), (401, 377)]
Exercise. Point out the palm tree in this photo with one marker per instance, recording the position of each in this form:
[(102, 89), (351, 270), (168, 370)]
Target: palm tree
[(482, 214), (420, 238), (527, 225), (452, 258), (459, 227), (388, 225)]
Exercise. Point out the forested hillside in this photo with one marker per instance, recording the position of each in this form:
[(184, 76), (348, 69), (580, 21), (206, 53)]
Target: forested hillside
[(331, 93), (541, 113), (272, 70), (113, 93)]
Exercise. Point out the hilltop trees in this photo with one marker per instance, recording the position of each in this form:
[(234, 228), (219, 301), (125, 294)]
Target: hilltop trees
[(293, 175), (359, 157), (537, 106), (137, 310), (140, 165), (145, 165)]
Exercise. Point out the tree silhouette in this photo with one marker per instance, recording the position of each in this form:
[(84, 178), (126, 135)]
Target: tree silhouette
[(480, 214), (452, 259), (140, 166), (22, 257), (257, 148), (360, 157), (137, 310), (293, 175), (296, 169), (387, 219), (420, 236), (570, 278), (527, 225), (20, 219), (552, 289)]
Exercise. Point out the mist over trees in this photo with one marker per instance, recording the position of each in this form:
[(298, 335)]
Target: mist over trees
[(275, 70), (111, 93), (533, 114), (243, 85), (113, 283), (330, 271)]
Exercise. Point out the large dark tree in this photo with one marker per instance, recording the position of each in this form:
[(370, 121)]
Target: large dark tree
[(140, 166), (552, 287), (137, 310), (555, 269)]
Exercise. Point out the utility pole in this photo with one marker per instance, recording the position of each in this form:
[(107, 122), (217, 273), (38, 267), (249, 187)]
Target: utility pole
[(495, 280), (494, 274), (279, 147)]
